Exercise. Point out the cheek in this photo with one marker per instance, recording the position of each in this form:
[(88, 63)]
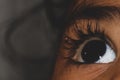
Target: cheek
[(71, 71)]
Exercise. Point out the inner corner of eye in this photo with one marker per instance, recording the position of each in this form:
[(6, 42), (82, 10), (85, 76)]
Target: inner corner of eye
[(95, 51)]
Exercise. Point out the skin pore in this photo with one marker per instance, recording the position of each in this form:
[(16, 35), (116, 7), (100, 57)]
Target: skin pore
[(103, 17)]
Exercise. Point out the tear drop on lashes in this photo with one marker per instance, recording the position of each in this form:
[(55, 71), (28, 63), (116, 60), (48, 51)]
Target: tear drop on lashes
[(67, 39), (71, 42)]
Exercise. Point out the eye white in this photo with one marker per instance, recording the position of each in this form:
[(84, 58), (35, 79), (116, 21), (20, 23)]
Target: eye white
[(108, 57)]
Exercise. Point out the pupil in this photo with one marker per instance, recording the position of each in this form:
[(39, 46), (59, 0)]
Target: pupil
[(93, 50)]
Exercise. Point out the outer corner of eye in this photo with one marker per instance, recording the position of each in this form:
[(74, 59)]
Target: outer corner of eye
[(96, 51)]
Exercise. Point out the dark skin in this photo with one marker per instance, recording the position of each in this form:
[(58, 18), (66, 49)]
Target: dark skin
[(67, 66)]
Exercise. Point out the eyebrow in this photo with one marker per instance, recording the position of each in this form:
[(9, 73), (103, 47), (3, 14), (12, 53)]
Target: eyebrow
[(95, 12)]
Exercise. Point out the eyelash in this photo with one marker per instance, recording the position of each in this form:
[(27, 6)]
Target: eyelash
[(83, 37), (96, 33)]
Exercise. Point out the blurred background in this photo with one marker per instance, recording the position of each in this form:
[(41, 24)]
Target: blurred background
[(30, 32)]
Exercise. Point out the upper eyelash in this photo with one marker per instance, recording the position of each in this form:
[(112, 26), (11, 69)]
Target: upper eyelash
[(89, 28), (75, 43), (90, 33)]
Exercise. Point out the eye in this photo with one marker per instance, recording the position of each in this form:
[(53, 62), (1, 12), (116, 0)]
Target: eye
[(95, 51)]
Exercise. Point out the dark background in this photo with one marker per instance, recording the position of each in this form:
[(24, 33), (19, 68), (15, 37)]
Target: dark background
[(30, 32)]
